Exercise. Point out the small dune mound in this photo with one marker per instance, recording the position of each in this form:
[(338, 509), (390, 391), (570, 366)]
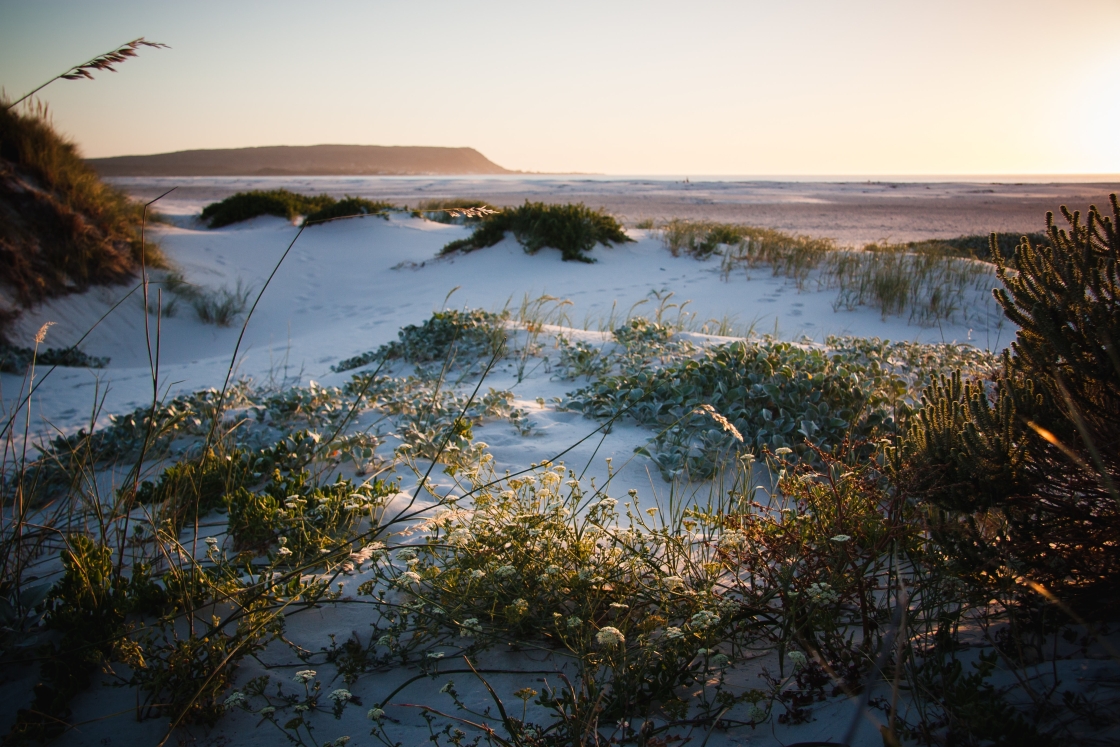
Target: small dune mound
[(62, 229)]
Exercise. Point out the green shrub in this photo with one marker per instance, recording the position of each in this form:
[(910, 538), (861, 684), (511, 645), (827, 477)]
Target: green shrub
[(16, 359), (467, 334), (1025, 468), (349, 207), (573, 229), (246, 205), (289, 205)]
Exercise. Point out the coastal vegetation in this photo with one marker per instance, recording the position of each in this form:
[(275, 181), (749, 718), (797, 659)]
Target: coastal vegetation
[(289, 205), (574, 229), (924, 529)]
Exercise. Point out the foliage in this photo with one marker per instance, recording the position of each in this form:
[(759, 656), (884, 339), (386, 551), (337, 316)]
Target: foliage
[(16, 359), (573, 229), (1036, 449), (771, 395), (445, 335), (246, 205), (537, 559), (289, 205), (349, 207)]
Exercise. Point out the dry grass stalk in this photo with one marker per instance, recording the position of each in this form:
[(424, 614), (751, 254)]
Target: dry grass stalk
[(101, 62)]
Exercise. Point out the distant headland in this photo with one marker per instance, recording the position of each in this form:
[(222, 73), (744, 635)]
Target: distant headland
[(304, 160)]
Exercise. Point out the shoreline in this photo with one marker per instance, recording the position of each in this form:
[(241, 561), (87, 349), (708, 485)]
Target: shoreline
[(851, 213)]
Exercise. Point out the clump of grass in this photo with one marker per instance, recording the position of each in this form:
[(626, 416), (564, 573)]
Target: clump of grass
[(220, 306), (62, 229), (454, 210), (289, 205), (930, 286), (747, 247), (573, 229)]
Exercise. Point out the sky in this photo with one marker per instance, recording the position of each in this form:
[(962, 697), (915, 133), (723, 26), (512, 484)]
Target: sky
[(746, 87)]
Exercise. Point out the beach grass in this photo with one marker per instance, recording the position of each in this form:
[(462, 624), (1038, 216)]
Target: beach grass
[(574, 229), (62, 229)]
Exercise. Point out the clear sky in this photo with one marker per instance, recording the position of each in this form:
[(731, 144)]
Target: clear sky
[(752, 87)]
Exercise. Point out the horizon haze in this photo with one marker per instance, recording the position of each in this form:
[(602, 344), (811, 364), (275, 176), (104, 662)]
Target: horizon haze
[(719, 88)]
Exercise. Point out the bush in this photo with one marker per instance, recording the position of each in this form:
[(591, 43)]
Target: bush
[(573, 229), (288, 205), (1025, 467), (246, 205), (349, 207)]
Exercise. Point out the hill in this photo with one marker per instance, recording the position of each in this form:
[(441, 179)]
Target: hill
[(62, 230), (306, 160)]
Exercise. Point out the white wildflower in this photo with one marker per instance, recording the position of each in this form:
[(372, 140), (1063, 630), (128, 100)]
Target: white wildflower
[(673, 633), (375, 714), (822, 593), (304, 676), (235, 699), (704, 619), (673, 583), (609, 636), (283, 552), (340, 695), (840, 538), (783, 451), (797, 659)]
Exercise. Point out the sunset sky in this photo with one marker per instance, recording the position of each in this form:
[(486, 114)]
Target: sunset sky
[(754, 87)]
